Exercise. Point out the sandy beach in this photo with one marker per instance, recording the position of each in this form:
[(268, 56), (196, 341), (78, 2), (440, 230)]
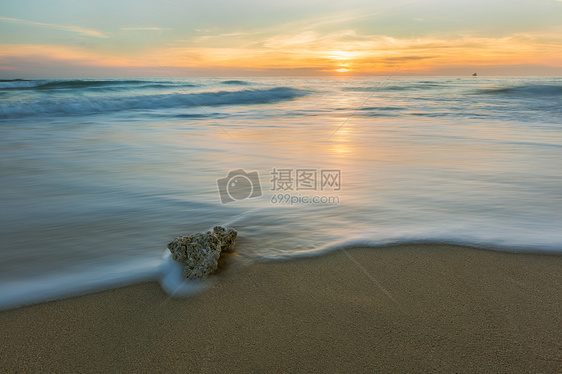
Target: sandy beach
[(413, 308)]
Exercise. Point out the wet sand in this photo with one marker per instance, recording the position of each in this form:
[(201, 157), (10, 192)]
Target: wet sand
[(411, 308)]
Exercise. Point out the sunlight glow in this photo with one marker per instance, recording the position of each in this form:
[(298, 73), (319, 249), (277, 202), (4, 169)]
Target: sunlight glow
[(342, 55), (355, 42)]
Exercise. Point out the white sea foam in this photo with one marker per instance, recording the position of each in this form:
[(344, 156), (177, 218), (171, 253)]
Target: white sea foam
[(173, 281), (73, 283), (169, 272), (39, 289)]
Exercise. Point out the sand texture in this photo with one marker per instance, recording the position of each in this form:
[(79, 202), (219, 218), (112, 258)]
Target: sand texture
[(416, 308)]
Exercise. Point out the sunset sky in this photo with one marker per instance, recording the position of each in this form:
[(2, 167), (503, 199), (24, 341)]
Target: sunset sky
[(140, 38)]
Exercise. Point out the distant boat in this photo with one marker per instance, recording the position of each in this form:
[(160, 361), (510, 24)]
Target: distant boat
[(474, 74)]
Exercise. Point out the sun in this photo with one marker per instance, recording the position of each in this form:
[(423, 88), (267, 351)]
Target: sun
[(342, 70)]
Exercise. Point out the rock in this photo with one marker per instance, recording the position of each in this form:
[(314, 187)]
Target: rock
[(200, 252), (226, 235)]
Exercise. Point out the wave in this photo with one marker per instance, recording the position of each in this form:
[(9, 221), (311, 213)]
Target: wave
[(79, 282), (79, 83), (168, 272), (391, 108), (236, 82), (17, 84), (524, 90), (85, 84), (90, 105), (408, 87), (165, 270), (169, 85)]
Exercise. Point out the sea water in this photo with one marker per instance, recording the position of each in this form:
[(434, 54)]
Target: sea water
[(97, 176)]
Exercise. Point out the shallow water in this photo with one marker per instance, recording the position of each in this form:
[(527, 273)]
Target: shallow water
[(96, 177)]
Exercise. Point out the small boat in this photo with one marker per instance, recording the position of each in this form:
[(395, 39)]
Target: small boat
[(474, 74)]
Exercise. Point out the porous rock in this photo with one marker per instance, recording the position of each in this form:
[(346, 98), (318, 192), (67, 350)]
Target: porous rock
[(200, 252), (226, 235)]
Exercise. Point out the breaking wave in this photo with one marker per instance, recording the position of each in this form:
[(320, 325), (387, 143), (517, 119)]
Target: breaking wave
[(77, 105), (77, 84), (236, 83), (525, 90), (87, 84)]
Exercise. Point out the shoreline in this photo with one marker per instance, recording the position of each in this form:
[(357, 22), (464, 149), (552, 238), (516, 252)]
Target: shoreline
[(422, 307)]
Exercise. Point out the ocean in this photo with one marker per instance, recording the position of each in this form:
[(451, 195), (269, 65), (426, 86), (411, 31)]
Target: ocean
[(97, 176)]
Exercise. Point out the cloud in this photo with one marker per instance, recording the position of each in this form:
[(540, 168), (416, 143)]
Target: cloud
[(75, 29), (71, 55), (362, 53), (317, 46), (145, 28)]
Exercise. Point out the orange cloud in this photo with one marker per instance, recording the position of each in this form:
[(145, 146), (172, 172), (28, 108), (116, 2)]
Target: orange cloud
[(363, 53), (343, 51), (79, 56)]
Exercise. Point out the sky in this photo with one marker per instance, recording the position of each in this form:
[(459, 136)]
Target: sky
[(215, 38)]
